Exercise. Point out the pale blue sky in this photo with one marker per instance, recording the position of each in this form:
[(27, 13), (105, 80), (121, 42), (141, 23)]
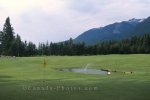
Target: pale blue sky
[(58, 20)]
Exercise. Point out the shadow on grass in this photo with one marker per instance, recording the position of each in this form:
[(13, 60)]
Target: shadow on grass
[(5, 78)]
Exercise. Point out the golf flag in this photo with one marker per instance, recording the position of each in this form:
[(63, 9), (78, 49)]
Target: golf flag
[(44, 63)]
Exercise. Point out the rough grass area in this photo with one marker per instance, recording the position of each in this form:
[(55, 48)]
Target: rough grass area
[(26, 79)]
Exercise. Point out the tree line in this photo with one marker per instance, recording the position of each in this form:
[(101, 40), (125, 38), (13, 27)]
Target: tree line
[(133, 45), (12, 45)]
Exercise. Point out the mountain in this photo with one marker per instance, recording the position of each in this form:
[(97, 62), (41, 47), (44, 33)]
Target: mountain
[(143, 27), (115, 31)]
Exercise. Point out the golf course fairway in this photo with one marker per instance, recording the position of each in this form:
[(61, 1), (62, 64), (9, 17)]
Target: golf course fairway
[(40, 78)]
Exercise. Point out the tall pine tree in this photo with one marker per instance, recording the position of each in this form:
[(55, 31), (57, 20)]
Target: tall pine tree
[(7, 38)]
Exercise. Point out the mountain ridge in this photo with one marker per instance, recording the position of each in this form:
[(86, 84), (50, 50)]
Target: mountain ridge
[(115, 31)]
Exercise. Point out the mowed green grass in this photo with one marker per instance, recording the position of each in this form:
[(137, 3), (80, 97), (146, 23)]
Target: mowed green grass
[(25, 78)]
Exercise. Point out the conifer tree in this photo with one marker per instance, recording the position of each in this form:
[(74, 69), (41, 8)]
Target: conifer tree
[(7, 38)]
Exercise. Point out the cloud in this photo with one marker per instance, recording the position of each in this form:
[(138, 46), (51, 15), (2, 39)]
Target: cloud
[(58, 20), (112, 7), (88, 6)]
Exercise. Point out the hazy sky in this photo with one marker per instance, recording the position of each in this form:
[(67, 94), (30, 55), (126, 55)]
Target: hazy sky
[(58, 20)]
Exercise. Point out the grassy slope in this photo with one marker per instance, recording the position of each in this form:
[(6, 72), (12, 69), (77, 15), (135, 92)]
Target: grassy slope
[(16, 73)]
